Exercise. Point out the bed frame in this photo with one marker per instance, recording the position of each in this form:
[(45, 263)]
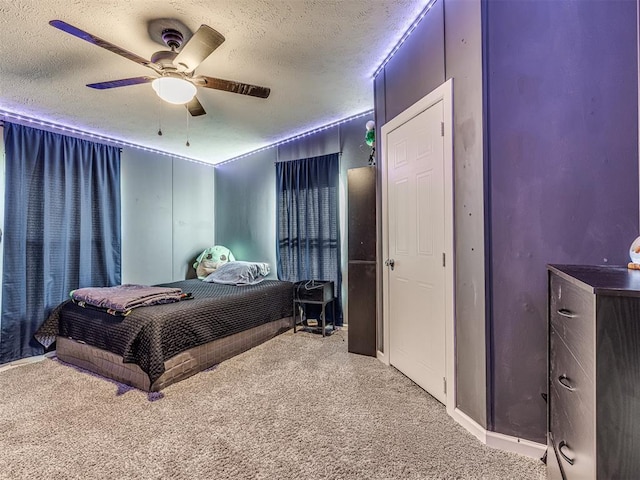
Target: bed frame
[(178, 367)]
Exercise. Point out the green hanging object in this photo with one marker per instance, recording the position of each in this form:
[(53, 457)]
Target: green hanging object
[(370, 137)]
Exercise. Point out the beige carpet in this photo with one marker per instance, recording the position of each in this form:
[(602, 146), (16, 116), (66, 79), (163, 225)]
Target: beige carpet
[(296, 407)]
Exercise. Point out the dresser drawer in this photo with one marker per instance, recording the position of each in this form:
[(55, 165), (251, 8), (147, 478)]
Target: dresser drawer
[(572, 316), (572, 412)]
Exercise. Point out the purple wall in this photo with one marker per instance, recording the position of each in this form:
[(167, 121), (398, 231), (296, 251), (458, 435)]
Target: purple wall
[(562, 105), (561, 171)]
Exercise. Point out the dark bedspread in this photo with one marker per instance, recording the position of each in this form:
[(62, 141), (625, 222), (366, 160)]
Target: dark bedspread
[(150, 335)]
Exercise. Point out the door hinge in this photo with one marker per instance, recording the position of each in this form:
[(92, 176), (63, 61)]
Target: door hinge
[(444, 259), (444, 384), (442, 129)]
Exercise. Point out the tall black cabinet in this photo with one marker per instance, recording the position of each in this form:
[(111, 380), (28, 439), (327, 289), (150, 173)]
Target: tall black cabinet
[(361, 186)]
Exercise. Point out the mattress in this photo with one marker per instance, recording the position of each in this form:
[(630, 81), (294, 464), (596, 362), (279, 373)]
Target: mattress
[(151, 338)]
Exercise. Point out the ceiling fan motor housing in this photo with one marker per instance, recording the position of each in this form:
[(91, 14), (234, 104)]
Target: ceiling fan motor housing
[(172, 39)]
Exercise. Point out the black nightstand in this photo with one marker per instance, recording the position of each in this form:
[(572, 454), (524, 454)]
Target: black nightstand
[(314, 292)]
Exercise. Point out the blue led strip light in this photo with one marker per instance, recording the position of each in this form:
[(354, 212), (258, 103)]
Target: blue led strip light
[(403, 39), (56, 128), (297, 137), (8, 116)]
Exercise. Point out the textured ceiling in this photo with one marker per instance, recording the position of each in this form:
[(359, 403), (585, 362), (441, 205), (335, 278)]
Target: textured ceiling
[(317, 56)]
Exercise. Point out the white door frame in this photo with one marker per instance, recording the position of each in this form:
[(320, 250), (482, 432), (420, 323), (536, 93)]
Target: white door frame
[(443, 93)]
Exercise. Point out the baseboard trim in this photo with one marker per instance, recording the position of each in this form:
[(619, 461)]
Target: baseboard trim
[(497, 440), (470, 425), (515, 444), (26, 361), (382, 357)]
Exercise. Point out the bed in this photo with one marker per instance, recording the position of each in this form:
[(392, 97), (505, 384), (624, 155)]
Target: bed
[(155, 346)]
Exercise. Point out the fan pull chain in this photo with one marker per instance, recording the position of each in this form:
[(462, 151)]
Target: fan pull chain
[(159, 116), (188, 115)]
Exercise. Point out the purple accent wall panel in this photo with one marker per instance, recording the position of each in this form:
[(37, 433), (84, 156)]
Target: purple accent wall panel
[(562, 99), (417, 68)]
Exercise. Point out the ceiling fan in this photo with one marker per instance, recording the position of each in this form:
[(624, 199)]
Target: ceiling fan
[(176, 81)]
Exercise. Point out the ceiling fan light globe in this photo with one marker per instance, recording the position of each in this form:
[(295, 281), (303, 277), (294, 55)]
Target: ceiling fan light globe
[(174, 90)]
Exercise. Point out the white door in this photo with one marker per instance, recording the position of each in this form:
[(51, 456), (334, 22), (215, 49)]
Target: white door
[(416, 222)]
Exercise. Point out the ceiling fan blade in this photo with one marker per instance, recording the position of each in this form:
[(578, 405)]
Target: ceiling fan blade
[(121, 83), (76, 32), (230, 86), (199, 47), (195, 107)]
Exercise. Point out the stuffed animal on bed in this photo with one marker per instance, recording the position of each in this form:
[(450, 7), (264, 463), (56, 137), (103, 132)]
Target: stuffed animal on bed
[(211, 259)]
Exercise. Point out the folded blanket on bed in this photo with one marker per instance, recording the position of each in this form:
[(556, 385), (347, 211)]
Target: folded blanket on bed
[(122, 298)]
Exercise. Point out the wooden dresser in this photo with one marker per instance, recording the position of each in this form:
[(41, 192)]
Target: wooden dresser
[(594, 372)]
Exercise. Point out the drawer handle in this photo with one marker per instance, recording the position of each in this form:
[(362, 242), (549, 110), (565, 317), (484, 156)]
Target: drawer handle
[(564, 381), (560, 447), (566, 313)]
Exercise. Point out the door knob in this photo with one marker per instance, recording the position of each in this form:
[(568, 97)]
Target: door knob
[(390, 263)]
